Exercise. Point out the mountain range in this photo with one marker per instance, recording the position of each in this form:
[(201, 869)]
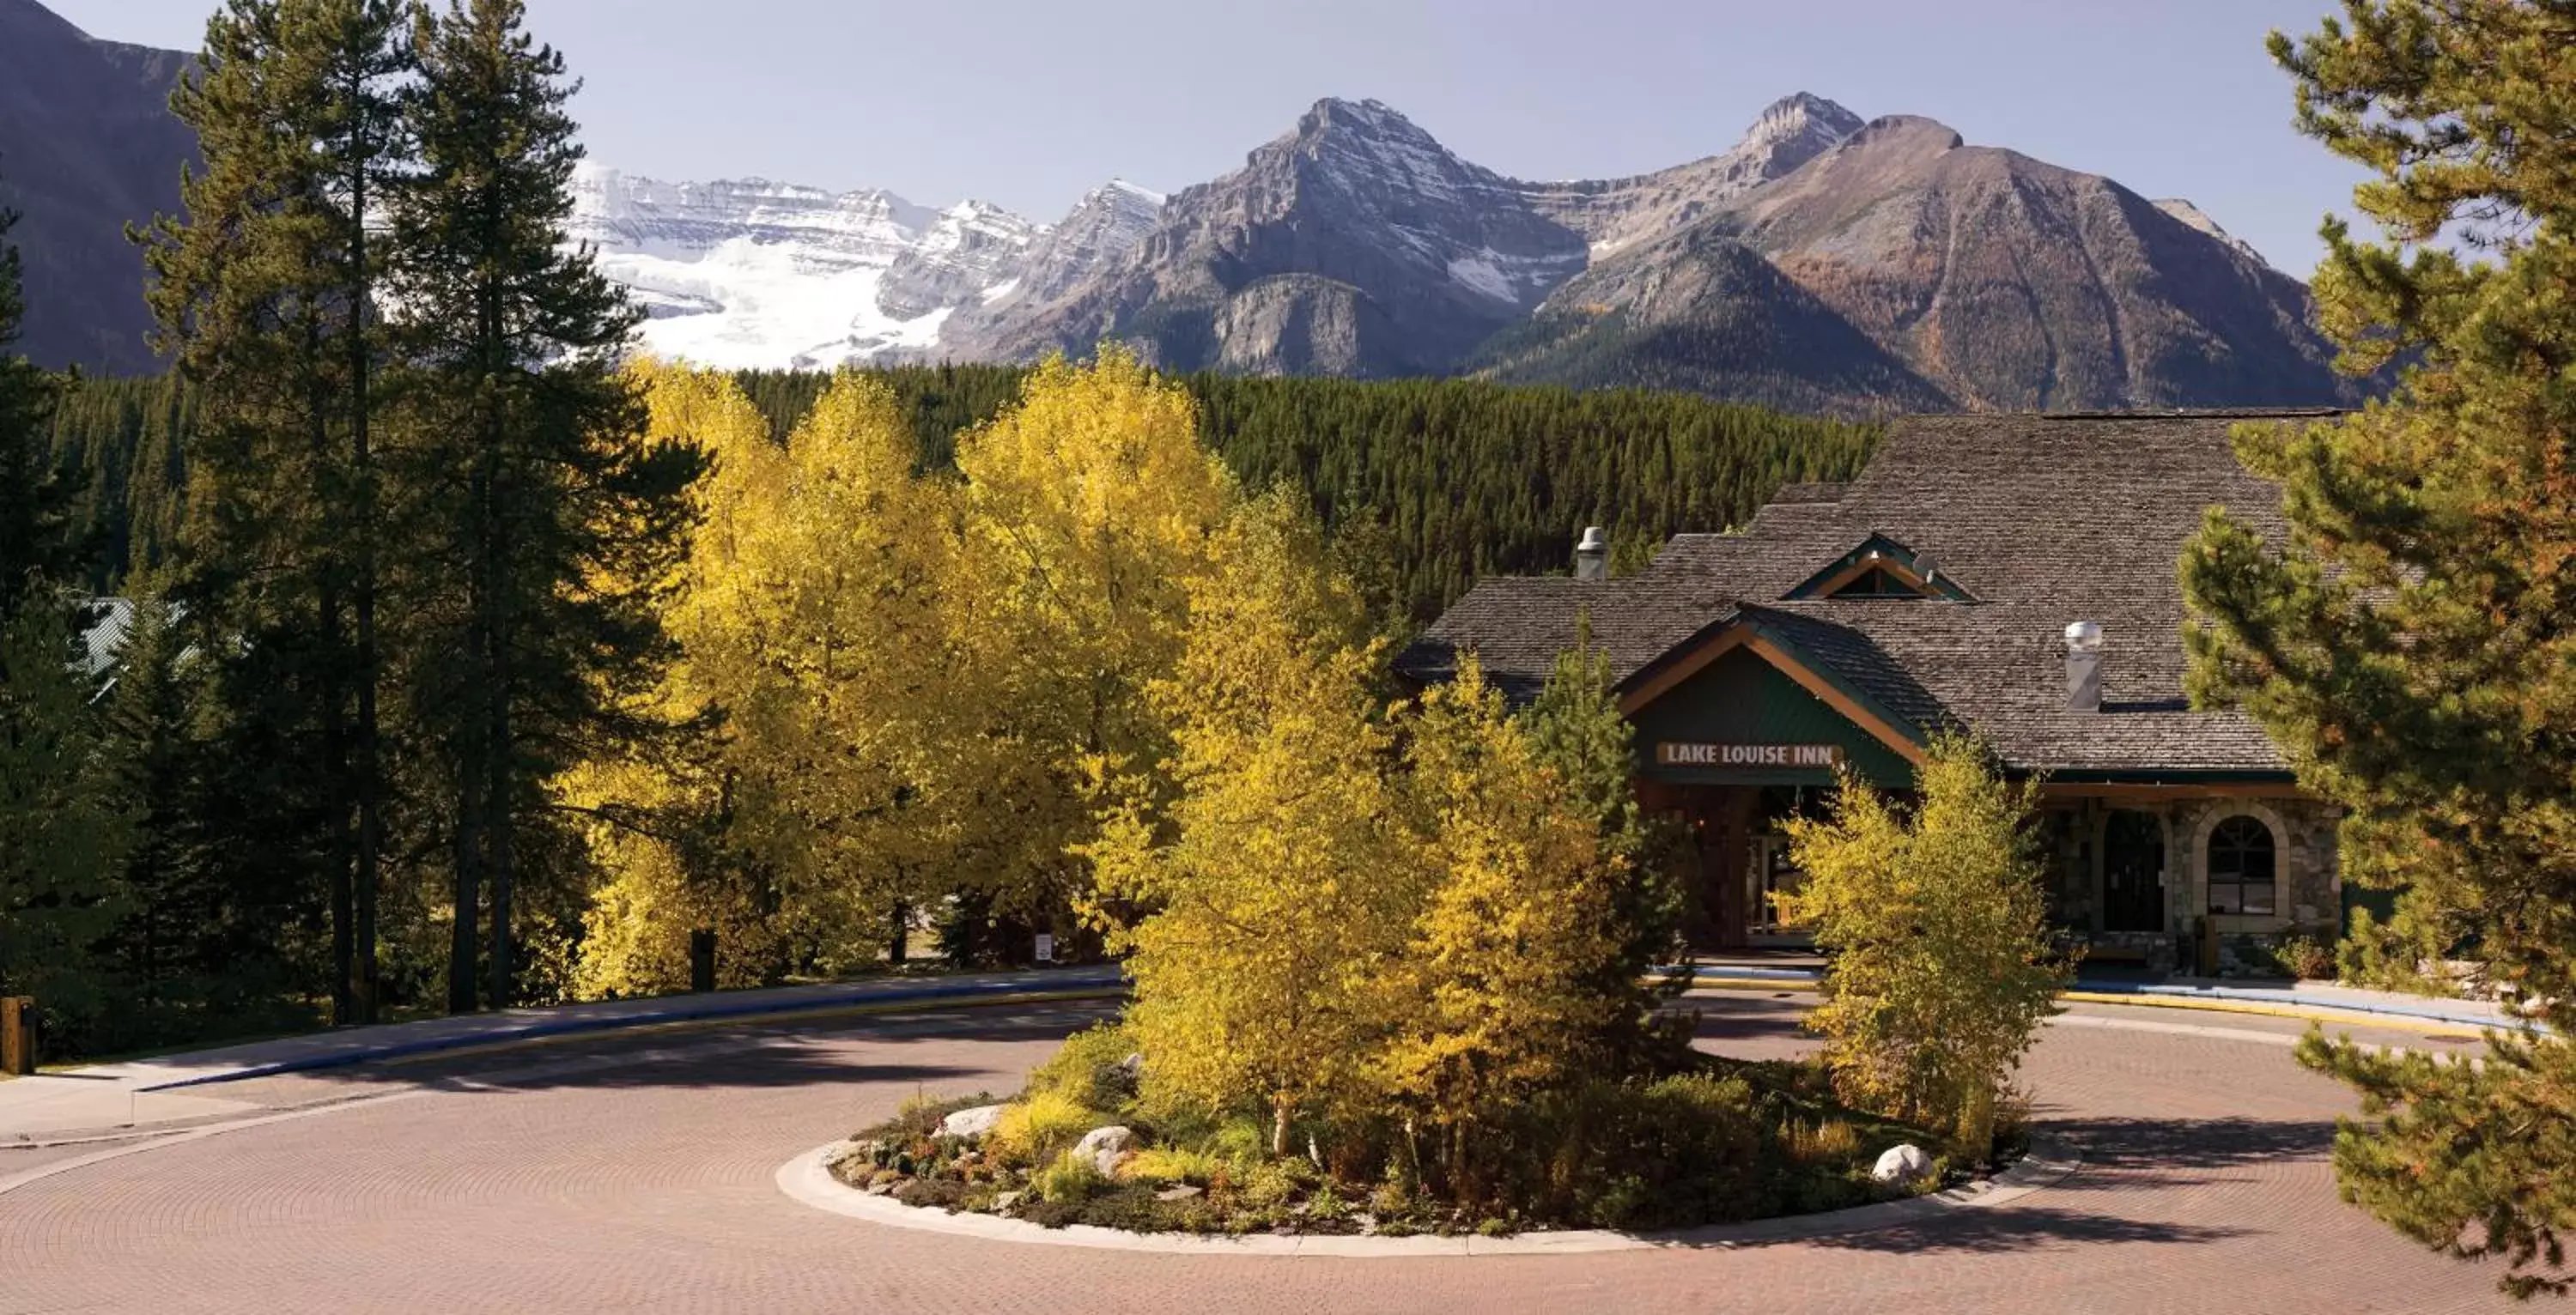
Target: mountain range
[(87, 145), (1823, 262)]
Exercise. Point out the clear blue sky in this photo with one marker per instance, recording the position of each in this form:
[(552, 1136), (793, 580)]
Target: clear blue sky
[(1027, 103)]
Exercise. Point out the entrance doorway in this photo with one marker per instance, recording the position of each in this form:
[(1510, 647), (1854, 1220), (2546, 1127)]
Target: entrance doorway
[(2133, 872), (1769, 875)]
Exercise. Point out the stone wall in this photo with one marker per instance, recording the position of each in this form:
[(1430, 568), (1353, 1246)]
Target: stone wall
[(2308, 895)]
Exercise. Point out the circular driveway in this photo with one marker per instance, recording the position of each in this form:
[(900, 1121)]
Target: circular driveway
[(636, 1174)]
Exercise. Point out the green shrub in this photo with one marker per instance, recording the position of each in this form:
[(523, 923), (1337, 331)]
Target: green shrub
[(1244, 1141), (1171, 1164), (1090, 1069), (1071, 1176), (1693, 1148), (1033, 1130), (2304, 958), (1132, 1208), (1272, 1183), (940, 1193), (1325, 1204)]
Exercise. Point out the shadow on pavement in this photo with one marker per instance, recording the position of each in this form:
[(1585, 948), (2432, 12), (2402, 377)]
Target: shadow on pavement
[(748, 1055), (2020, 1228), (2136, 1153)]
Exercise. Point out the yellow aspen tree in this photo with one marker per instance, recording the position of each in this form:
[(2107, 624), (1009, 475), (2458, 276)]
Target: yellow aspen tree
[(1276, 877), (1938, 930), (1086, 508), (820, 625), (1499, 993)]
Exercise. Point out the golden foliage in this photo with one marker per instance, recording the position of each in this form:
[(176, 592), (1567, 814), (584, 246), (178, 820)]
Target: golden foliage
[(1941, 968)]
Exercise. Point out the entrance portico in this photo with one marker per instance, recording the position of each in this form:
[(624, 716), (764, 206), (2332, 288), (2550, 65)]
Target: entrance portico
[(1736, 735)]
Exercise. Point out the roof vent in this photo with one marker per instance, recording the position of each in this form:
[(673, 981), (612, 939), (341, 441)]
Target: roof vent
[(1592, 556), (2084, 667)]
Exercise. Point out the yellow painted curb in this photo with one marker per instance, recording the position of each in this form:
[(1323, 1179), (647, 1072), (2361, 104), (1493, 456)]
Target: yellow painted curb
[(2312, 1013), (940, 1005)]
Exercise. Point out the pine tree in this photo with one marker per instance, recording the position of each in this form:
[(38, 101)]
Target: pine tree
[(2410, 645), (1581, 736), (266, 292), (560, 523), (37, 548), (60, 841)]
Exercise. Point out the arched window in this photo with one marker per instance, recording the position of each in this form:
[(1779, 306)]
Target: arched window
[(2242, 867)]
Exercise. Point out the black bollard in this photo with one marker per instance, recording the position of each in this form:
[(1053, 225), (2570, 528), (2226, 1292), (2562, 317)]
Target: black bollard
[(702, 961)]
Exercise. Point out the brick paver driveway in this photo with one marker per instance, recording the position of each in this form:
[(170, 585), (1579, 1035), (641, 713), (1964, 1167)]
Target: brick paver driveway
[(635, 1174)]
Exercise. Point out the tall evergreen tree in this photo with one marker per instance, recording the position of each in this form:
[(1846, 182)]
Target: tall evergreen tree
[(36, 546), (265, 292), (59, 844), (560, 522), (2413, 645)]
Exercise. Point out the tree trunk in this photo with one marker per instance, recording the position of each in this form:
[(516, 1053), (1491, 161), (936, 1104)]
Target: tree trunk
[(1279, 1127), (335, 763), (498, 822), (370, 772), (500, 795), (464, 936), (897, 935), (1977, 1122)]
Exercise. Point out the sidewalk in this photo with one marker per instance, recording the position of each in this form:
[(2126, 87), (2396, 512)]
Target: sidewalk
[(1768, 969), (163, 1090)]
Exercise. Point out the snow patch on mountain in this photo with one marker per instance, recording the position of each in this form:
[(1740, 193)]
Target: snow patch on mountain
[(751, 273), (746, 304), (2198, 218)]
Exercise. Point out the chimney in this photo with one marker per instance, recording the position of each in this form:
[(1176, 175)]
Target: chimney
[(2084, 667), (1592, 556)]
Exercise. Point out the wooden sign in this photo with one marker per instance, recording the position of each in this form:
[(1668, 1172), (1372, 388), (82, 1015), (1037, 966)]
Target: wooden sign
[(1669, 753)]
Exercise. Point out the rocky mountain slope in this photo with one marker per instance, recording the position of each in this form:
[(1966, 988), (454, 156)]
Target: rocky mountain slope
[(1820, 263), (2013, 284), (87, 146)]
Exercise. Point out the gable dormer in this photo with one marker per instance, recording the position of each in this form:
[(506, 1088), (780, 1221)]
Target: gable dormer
[(1880, 569)]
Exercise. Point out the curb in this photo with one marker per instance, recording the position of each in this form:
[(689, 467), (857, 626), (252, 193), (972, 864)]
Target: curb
[(1073, 984), (2049, 1161)]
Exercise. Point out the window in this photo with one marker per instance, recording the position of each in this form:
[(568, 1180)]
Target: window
[(1878, 582), (2242, 865)]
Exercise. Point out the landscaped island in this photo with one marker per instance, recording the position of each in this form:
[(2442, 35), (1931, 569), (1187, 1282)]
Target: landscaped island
[(1714, 1141)]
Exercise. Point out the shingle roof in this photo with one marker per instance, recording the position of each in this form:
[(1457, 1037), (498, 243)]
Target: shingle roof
[(113, 620), (2047, 519)]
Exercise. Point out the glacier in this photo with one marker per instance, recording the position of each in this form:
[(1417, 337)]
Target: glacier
[(750, 273)]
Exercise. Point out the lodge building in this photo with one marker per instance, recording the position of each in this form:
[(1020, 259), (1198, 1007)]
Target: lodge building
[(2009, 575)]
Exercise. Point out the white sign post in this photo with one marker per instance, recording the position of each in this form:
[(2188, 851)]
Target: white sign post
[(1046, 948)]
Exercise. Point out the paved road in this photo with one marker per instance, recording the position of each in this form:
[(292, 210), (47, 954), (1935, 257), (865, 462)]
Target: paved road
[(635, 1174)]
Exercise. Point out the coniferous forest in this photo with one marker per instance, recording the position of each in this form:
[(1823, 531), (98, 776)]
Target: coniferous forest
[(1448, 479), (467, 660)]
